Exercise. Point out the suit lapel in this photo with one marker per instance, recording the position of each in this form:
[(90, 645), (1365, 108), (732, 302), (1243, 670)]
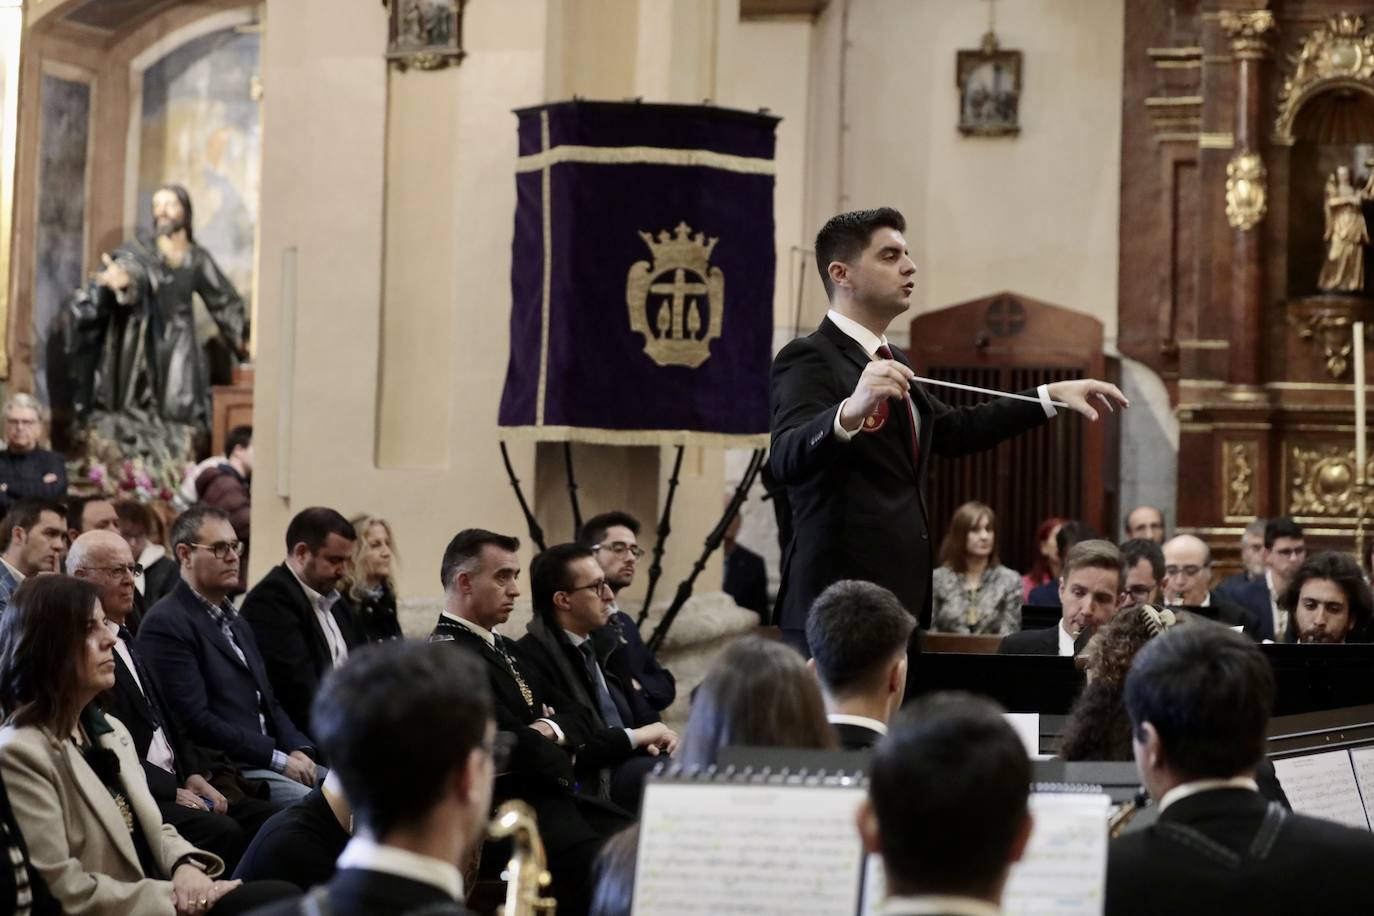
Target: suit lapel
[(200, 618), (846, 345), (99, 801), (125, 681)]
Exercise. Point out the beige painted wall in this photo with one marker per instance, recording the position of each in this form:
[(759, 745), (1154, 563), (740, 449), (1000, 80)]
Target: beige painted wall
[(1035, 213)]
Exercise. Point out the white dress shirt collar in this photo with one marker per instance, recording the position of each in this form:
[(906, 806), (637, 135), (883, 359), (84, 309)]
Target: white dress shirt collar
[(860, 334), (18, 576), (487, 635), (841, 718), (364, 853), (1180, 792), (928, 904), (1065, 640)]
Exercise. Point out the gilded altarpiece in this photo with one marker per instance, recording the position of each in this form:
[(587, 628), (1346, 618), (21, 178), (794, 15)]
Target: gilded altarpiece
[(1237, 119)]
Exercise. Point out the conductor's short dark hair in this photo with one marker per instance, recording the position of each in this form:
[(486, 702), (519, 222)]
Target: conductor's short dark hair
[(950, 786), (1208, 692), (854, 629), (395, 722), (844, 237)]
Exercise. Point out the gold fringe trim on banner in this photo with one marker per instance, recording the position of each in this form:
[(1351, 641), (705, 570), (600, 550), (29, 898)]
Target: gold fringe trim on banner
[(633, 436), (642, 155)]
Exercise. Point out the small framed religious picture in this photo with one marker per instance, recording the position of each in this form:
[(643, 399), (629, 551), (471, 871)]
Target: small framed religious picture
[(425, 34), (989, 81)]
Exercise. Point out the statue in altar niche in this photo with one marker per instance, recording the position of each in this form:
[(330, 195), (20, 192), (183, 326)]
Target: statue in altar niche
[(138, 374), (1346, 233)]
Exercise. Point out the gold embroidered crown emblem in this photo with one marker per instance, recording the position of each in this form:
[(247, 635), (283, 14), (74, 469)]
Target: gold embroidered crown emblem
[(677, 302)]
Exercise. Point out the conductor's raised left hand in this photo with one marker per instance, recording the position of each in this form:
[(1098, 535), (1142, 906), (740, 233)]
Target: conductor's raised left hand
[(1082, 394)]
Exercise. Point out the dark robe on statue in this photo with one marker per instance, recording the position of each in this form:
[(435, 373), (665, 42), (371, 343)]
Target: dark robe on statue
[(136, 354)]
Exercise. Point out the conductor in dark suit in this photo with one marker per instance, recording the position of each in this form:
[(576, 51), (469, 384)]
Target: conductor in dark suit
[(858, 633), (1199, 700), (852, 435), (420, 807), (301, 626)]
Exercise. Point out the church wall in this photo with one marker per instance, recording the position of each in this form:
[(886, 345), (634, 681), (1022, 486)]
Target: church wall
[(1036, 213)]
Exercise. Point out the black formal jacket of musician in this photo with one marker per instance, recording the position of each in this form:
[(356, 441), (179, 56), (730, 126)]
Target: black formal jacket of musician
[(858, 510)]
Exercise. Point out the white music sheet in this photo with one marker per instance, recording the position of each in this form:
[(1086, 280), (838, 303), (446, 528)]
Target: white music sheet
[(1323, 785), (1363, 760), (714, 848), (1027, 728), (1064, 870)]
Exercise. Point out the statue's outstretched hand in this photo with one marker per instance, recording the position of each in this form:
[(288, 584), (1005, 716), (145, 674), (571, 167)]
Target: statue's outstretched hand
[(1081, 394), (113, 277)]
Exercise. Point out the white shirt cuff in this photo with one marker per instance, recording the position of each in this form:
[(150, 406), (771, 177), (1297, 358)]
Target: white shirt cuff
[(1043, 392), (629, 733), (841, 433), (557, 732)]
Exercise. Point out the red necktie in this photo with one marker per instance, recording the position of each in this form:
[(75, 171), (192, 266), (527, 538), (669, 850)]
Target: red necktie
[(885, 352)]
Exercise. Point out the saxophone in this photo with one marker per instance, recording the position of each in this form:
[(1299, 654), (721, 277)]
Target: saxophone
[(527, 874)]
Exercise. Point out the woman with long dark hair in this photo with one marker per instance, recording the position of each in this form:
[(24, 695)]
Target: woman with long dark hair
[(76, 785)]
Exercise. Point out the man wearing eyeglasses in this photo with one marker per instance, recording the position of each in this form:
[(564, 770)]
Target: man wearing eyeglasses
[(571, 602), (1284, 552), (1188, 581), (1144, 571), (177, 773), (27, 471), (613, 539), (209, 668)]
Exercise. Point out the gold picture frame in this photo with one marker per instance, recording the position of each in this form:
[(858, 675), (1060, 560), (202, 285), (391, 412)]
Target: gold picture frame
[(425, 34), (989, 83)]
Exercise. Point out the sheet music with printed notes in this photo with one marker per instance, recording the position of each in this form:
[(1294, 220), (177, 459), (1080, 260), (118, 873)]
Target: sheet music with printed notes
[(1064, 870), (1323, 785), (718, 846), (1363, 760)]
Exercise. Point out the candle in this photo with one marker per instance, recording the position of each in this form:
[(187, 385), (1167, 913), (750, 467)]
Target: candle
[(1359, 404)]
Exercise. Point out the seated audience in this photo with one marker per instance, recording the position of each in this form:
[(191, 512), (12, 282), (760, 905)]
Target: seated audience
[(176, 772), (226, 486), (480, 574), (94, 832), (208, 666), (858, 634), (26, 470), (948, 806), (1188, 577), (145, 533), (758, 693), (1146, 523), (1328, 601), (301, 627), (90, 513), (35, 539), (1090, 591), (369, 585), (1284, 551), (1251, 558), (1144, 571), (421, 807), (1069, 533), (300, 844), (612, 537), (1045, 569), (745, 577), (972, 592), (572, 601), (1098, 727), (1199, 700)]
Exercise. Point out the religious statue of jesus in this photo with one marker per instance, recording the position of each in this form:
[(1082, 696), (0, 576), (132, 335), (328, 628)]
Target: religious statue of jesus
[(133, 351), (1345, 233)]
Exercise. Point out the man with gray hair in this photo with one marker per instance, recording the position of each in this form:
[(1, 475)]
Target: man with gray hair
[(26, 469), (1251, 557)]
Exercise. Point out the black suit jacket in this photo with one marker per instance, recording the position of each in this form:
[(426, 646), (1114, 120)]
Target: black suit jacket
[(1205, 855), (160, 578), (359, 892), (213, 694), (1044, 641), (292, 641), (142, 711), (855, 737), (857, 507), (746, 580), (1253, 596)]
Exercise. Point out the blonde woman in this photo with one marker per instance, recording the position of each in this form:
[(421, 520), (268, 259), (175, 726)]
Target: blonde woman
[(369, 585), (972, 591)]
